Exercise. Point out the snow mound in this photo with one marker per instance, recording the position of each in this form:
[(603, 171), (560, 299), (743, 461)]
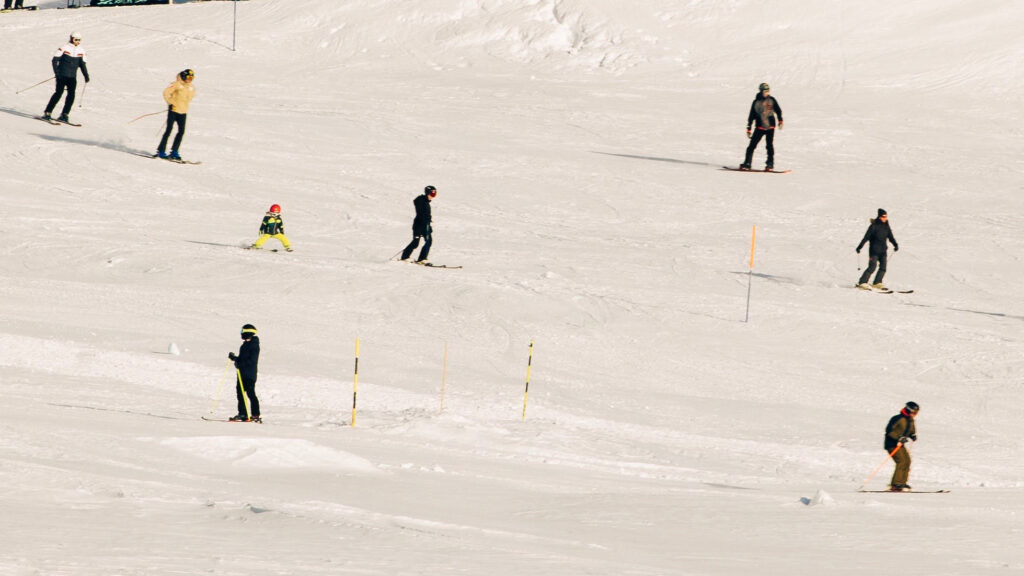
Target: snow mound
[(821, 498), (281, 453)]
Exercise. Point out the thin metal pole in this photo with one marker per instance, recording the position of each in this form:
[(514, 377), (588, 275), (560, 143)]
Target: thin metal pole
[(34, 85), (234, 25)]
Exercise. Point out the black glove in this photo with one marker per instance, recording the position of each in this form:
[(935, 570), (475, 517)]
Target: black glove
[(905, 440), (86, 79), (858, 250), (913, 437), (231, 356), (895, 248)]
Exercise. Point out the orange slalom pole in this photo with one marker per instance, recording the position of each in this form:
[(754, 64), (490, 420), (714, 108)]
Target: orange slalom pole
[(750, 273), (887, 458)]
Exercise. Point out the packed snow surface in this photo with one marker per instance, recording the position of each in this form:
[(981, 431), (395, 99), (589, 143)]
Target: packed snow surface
[(576, 146)]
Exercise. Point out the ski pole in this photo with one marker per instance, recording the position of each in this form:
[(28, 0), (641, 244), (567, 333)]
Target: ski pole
[(245, 397), (887, 458), (220, 387), (34, 85), (145, 115), (82, 99), (393, 257)]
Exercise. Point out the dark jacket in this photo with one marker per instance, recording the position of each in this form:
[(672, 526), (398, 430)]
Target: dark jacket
[(421, 224), (272, 225), (248, 358), (764, 111), (899, 425), (68, 59), (878, 232)]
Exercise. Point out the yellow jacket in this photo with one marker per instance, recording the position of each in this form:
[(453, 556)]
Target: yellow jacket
[(179, 95)]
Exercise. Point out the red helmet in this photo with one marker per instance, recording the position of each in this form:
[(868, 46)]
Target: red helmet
[(275, 209)]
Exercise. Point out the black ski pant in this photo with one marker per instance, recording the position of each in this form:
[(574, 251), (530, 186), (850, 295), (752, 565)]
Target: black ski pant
[(71, 84), (172, 119), (769, 144), (875, 259), (427, 241), (250, 391), (17, 4)]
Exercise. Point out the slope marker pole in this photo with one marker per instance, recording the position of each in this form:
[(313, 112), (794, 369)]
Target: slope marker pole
[(750, 272), (529, 364)]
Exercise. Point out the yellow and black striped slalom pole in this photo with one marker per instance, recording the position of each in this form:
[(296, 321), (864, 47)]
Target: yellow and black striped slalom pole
[(355, 384), (245, 397), (529, 364), (750, 273), (444, 375), (220, 388)]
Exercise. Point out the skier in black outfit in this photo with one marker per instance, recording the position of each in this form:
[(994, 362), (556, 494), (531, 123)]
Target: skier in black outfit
[(421, 226), (878, 233), (66, 62), (246, 362), (764, 109)]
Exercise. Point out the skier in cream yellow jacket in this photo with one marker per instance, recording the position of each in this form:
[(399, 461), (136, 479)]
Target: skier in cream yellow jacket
[(178, 96)]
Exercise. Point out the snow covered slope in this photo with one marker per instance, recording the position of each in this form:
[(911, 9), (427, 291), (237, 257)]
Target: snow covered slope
[(576, 146)]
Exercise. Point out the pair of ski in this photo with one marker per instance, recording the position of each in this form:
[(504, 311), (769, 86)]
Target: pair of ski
[(904, 491), (252, 421), (884, 291), (157, 156), (430, 265), (57, 122)]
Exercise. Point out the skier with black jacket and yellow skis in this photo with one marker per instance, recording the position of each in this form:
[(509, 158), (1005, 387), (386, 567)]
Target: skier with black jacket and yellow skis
[(272, 227)]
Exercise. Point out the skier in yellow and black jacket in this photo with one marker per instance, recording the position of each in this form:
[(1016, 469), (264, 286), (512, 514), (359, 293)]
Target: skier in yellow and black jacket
[(272, 227)]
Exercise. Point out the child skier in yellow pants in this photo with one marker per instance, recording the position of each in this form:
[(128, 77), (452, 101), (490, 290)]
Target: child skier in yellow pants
[(272, 227)]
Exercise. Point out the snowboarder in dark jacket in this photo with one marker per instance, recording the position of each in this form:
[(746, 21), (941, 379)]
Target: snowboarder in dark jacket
[(899, 432), (421, 226), (246, 363), (764, 110), (66, 62), (877, 235)]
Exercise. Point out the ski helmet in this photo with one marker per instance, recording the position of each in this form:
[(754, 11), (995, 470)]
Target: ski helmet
[(913, 407), (275, 209), (248, 331), (764, 86), (75, 36), (186, 73), (430, 191)]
